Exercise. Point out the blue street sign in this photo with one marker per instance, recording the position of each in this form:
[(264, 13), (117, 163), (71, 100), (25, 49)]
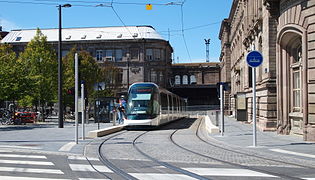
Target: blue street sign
[(254, 59)]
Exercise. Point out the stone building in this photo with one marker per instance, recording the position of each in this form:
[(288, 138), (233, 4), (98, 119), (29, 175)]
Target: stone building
[(196, 82), (295, 47), (139, 51), (283, 31)]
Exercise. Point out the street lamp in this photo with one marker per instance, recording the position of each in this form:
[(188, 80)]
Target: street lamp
[(60, 104)]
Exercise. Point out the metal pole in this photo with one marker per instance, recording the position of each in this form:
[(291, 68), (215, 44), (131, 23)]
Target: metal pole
[(83, 110), (60, 107), (76, 95), (221, 109), (128, 73), (254, 107)]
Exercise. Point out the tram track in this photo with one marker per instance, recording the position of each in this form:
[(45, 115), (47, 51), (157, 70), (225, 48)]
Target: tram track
[(248, 153), (165, 164), (228, 162), (117, 170), (111, 165), (135, 141)]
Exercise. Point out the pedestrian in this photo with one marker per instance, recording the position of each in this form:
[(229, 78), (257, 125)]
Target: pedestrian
[(121, 113)]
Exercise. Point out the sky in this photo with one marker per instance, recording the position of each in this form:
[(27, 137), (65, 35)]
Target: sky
[(186, 26)]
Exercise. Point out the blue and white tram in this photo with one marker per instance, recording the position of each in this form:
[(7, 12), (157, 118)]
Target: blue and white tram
[(150, 105)]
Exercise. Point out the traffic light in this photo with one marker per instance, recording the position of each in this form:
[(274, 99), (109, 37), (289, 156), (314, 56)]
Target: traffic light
[(71, 91)]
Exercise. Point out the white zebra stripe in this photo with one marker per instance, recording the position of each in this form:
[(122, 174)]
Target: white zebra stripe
[(25, 178), (22, 156), (42, 163), (227, 172), (30, 170), (84, 167)]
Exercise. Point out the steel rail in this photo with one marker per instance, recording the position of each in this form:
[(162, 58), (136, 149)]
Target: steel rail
[(230, 163)]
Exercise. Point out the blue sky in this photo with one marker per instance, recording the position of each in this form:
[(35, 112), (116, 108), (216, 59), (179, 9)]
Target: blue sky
[(201, 20)]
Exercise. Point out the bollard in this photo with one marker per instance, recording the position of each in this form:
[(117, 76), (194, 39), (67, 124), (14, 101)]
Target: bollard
[(217, 118), (114, 118)]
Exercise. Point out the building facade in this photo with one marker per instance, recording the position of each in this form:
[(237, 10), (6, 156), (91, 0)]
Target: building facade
[(197, 83), (295, 47), (139, 51), (283, 31)]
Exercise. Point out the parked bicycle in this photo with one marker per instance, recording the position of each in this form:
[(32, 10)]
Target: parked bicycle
[(6, 117)]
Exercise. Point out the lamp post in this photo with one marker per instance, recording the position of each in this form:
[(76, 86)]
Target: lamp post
[(60, 104)]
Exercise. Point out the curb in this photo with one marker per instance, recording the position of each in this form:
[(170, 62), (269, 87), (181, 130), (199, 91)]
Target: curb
[(211, 128), (105, 131)]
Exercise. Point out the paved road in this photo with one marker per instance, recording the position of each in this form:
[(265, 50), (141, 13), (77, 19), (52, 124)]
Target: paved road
[(176, 152), (179, 150)]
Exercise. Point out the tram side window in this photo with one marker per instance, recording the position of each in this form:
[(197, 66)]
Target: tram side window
[(174, 104), (156, 104), (164, 103)]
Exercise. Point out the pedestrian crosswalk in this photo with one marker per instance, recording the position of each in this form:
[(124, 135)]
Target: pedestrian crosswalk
[(27, 166)]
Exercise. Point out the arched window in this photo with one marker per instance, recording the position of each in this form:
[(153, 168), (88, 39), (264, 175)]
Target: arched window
[(295, 71), (185, 79), (193, 79), (177, 79)]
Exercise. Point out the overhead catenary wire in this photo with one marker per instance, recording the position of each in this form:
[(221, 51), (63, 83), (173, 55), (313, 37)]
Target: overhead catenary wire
[(122, 22), (183, 32), (85, 3), (42, 3)]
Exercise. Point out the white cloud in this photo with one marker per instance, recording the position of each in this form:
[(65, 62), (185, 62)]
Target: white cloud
[(8, 25)]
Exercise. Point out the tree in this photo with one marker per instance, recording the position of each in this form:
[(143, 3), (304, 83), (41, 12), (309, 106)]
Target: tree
[(13, 83), (40, 62), (91, 73), (88, 72)]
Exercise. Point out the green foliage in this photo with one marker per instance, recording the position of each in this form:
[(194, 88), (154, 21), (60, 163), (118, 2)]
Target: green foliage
[(13, 83), (40, 62), (91, 73), (32, 79)]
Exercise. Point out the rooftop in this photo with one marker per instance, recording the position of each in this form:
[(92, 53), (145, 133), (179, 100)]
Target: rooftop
[(85, 34), (200, 64)]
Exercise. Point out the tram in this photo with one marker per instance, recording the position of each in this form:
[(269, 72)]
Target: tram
[(150, 105)]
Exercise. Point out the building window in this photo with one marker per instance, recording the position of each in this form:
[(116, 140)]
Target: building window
[(134, 53), (185, 79), (109, 54), (193, 79), (149, 54), (157, 54), (64, 53), (99, 55), (161, 80), (177, 79), (118, 55), (296, 78), (296, 91), (153, 76)]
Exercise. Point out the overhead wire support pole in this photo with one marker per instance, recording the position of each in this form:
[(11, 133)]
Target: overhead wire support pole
[(83, 110), (222, 109), (60, 104), (76, 95), (60, 99), (207, 41)]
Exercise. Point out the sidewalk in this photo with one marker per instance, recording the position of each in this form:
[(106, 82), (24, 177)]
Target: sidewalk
[(240, 134), (47, 137)]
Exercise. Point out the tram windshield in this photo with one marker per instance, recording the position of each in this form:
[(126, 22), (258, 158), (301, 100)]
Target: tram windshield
[(139, 100)]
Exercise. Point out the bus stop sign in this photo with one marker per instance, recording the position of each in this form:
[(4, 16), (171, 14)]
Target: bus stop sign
[(254, 59)]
